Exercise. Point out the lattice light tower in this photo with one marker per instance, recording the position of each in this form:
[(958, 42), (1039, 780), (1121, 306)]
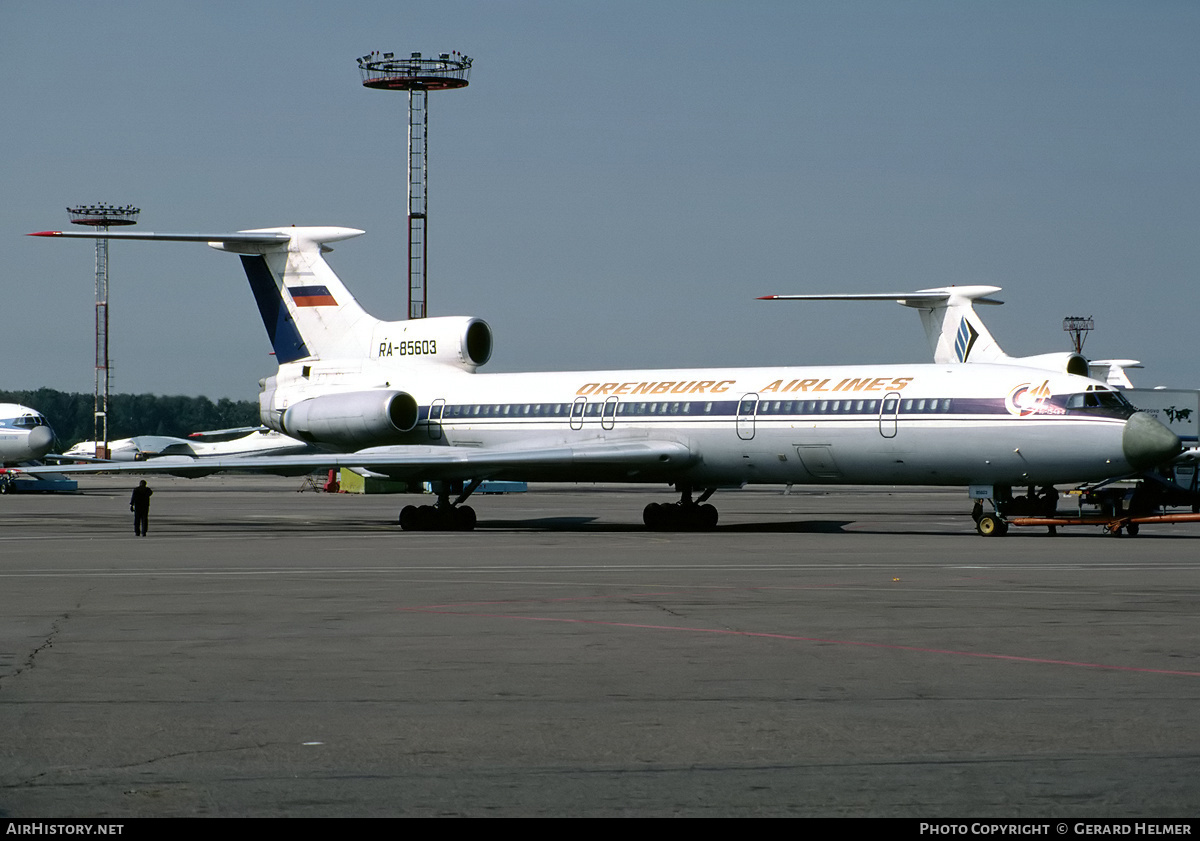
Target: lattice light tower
[(1078, 327), (418, 76), (102, 217)]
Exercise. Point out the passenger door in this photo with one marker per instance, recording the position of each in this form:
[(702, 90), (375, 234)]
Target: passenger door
[(747, 409), (889, 414)]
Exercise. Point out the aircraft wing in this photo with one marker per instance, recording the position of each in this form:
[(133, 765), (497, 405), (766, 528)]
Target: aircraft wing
[(629, 460)]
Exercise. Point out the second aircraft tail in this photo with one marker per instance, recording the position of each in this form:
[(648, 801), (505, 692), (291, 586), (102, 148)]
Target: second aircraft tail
[(955, 331)]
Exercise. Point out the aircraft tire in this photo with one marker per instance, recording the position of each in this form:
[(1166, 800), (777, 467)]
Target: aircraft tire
[(423, 518), (990, 526), (408, 518), (464, 518), (653, 516), (662, 516)]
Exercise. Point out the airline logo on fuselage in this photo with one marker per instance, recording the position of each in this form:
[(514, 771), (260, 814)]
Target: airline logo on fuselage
[(1028, 399), (811, 385)]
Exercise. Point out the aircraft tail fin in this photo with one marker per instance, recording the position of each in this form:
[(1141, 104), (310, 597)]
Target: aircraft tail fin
[(953, 328), (306, 309), (955, 331), (1112, 371)]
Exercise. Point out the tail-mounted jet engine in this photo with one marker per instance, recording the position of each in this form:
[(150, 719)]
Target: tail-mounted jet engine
[(354, 419), (1062, 363), (463, 342)]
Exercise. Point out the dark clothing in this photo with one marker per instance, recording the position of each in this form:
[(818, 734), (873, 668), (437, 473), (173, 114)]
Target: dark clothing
[(139, 504)]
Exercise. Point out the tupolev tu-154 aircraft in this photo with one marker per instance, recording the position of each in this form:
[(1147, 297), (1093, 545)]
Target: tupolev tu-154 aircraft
[(403, 399)]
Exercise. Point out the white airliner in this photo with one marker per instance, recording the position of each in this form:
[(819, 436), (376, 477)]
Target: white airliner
[(403, 399), (233, 442), (956, 333), (24, 434)]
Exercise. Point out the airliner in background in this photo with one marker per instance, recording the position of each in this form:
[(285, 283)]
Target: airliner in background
[(956, 333), (220, 442), (404, 399), (25, 435)]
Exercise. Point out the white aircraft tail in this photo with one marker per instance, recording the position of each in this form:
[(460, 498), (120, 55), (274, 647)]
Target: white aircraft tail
[(305, 307), (1112, 371), (955, 331), (310, 314)]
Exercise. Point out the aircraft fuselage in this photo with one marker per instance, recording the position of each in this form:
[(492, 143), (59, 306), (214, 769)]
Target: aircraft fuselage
[(903, 424)]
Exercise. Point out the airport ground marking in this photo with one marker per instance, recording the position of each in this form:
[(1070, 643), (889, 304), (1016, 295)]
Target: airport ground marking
[(819, 640)]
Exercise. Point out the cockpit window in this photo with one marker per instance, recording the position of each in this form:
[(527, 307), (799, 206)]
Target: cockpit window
[(1112, 401), (24, 422)]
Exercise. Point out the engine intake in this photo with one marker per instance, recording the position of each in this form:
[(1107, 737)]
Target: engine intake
[(354, 419)]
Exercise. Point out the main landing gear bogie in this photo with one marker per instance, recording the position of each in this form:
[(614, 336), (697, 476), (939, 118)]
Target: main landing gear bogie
[(685, 515), (674, 516), (445, 515), (437, 518)]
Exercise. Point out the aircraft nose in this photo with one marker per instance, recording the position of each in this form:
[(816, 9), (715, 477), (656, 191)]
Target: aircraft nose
[(1147, 442), (41, 439)]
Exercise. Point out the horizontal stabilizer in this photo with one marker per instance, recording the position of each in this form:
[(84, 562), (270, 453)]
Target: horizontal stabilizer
[(258, 237), (955, 332), (920, 298), (255, 241)]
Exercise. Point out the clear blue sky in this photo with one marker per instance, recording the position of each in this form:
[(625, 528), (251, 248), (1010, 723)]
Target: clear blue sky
[(619, 182)]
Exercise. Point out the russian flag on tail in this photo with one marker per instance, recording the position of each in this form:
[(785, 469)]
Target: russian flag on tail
[(311, 296)]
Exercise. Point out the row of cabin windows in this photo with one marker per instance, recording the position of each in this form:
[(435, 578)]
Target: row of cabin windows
[(698, 408)]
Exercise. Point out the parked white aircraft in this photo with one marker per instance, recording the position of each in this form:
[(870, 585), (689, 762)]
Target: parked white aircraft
[(956, 333), (403, 399), (25, 435), (239, 442)]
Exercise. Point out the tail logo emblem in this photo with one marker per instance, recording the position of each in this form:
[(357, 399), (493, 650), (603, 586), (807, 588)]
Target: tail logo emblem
[(965, 340)]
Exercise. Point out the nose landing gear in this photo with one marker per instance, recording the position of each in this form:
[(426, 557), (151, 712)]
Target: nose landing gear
[(1033, 504)]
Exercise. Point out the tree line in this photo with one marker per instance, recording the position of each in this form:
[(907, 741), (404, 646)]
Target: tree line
[(71, 413)]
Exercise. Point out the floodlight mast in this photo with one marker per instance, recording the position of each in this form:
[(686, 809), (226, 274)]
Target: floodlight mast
[(102, 217), (418, 76), (1078, 326)]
